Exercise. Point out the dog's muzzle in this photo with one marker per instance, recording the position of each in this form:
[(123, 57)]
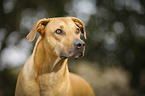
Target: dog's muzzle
[(78, 50)]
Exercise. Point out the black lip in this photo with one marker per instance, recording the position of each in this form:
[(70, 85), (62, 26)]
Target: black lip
[(63, 57)]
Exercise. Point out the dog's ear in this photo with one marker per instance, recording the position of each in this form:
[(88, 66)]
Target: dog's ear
[(80, 24), (39, 27)]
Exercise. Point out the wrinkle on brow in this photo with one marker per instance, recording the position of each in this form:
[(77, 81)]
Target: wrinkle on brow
[(61, 26)]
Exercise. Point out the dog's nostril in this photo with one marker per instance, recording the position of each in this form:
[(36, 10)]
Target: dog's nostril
[(84, 44), (79, 45)]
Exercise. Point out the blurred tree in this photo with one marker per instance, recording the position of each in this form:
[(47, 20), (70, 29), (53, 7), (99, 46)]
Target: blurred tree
[(116, 35)]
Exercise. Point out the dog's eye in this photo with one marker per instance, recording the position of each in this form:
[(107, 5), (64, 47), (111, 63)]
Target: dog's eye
[(78, 30), (59, 31)]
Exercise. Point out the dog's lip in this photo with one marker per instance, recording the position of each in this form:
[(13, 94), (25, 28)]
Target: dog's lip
[(76, 56), (63, 57)]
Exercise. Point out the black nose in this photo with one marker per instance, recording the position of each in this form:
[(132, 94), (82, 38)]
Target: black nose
[(79, 44)]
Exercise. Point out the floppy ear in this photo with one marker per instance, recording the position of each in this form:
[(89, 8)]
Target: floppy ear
[(80, 24), (38, 26)]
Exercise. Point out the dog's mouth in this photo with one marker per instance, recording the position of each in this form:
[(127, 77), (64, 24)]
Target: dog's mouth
[(75, 56), (78, 55), (63, 57), (74, 53)]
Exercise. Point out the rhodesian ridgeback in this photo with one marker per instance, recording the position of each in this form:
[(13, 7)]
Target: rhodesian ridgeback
[(46, 72)]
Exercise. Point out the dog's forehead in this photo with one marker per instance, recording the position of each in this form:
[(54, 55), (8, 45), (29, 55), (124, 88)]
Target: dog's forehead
[(66, 21)]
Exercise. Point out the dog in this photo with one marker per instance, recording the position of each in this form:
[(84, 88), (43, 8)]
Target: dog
[(46, 72)]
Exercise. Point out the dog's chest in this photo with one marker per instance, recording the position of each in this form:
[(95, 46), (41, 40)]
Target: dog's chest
[(47, 81), (53, 85)]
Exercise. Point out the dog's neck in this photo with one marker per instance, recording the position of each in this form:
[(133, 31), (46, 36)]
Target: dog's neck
[(52, 70), (46, 65)]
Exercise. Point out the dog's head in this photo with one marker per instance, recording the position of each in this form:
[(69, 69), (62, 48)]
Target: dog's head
[(61, 35)]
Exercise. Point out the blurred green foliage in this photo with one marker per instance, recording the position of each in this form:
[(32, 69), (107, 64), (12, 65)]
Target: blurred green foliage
[(115, 36)]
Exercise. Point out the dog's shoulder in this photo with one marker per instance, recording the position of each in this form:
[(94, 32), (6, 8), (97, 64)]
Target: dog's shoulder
[(79, 86)]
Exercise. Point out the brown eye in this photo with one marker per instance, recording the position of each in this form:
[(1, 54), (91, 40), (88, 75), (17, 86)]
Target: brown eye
[(59, 31), (78, 31)]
